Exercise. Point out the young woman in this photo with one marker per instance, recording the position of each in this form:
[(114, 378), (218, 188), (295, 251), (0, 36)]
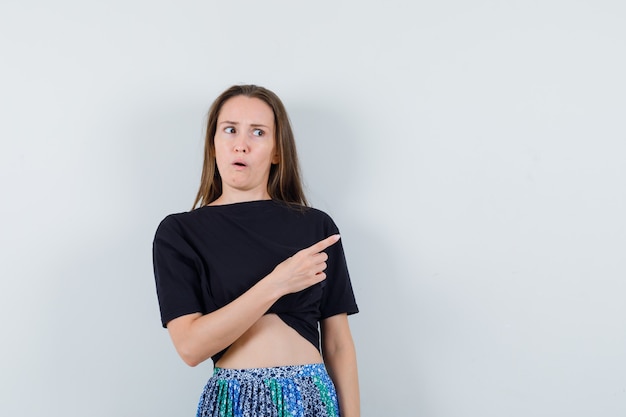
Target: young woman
[(253, 278)]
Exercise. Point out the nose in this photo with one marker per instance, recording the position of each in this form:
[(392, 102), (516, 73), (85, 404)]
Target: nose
[(240, 146)]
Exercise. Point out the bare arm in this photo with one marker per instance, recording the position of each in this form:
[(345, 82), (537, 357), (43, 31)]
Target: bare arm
[(340, 359), (197, 337)]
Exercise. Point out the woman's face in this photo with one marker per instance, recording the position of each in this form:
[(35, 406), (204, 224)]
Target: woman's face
[(245, 147)]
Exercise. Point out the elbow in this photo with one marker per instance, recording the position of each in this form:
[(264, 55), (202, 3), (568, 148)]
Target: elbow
[(339, 351), (192, 345), (339, 348), (191, 361), (192, 357)]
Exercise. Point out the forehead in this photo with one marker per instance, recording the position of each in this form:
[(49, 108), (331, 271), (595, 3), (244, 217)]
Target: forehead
[(247, 110)]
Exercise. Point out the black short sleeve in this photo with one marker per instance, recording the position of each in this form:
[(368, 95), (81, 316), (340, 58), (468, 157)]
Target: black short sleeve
[(177, 271), (338, 296)]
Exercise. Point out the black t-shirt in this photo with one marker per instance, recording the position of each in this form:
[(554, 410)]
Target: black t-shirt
[(206, 258)]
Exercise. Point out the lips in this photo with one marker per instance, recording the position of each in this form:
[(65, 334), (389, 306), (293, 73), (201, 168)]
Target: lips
[(239, 163)]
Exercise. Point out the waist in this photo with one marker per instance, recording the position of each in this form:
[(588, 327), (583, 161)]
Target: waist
[(270, 342)]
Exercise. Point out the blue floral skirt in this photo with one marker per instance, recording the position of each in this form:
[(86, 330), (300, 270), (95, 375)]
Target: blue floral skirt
[(284, 391)]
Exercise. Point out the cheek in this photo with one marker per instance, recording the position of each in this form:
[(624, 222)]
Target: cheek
[(275, 154), (219, 147), (219, 154)]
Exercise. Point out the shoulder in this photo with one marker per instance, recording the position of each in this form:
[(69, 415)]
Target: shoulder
[(176, 223), (172, 221), (311, 216), (303, 211), (321, 215)]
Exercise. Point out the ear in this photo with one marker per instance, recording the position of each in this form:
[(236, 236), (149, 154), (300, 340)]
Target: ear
[(276, 158)]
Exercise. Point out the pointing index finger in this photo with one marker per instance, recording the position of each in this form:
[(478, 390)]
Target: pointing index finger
[(323, 244)]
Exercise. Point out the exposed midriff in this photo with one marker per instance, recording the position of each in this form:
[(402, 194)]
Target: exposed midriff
[(269, 342)]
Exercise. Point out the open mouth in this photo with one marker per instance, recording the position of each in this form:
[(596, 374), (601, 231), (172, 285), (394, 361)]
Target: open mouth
[(239, 164)]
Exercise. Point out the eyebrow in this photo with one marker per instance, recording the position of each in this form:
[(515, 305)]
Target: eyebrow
[(230, 122)]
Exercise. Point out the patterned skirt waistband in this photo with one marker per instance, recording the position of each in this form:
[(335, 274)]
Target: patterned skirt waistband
[(291, 371)]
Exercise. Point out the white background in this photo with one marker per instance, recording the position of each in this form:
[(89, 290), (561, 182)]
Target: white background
[(472, 153)]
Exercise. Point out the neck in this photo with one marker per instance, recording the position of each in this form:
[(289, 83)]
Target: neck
[(230, 196)]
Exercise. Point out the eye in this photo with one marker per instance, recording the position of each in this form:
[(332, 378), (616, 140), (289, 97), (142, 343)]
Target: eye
[(229, 129), (258, 132)]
